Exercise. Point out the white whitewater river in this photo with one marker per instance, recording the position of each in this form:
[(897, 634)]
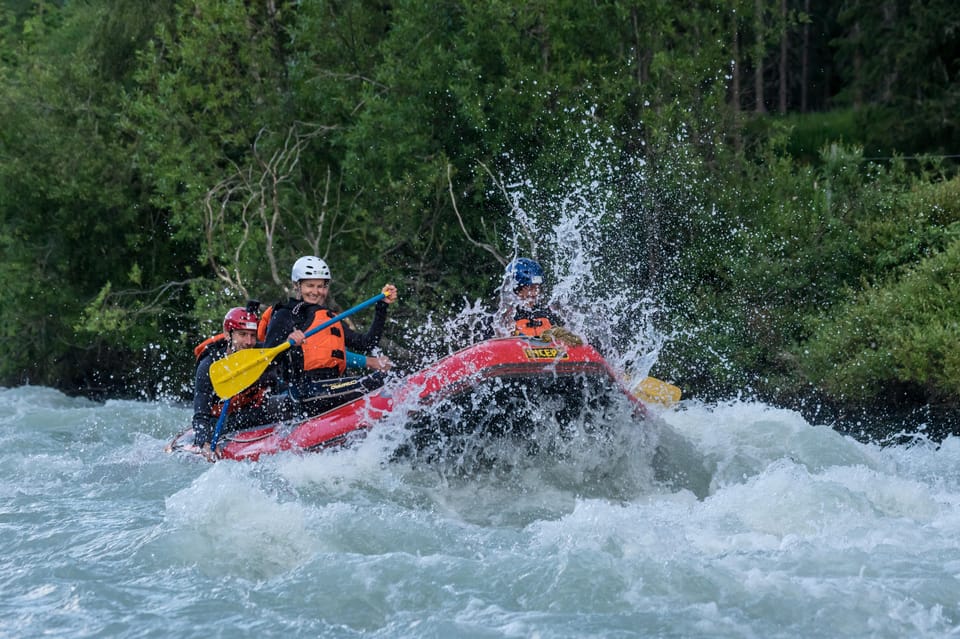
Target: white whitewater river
[(797, 531)]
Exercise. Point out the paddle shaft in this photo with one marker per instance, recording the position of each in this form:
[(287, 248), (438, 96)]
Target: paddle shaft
[(220, 422), (239, 370), (334, 320)]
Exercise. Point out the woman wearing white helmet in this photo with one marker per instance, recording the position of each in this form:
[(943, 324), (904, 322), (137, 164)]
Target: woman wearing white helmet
[(310, 267), (327, 354)]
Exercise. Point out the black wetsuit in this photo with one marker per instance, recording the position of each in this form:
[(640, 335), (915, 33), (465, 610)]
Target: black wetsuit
[(248, 409), (323, 383), (533, 318)]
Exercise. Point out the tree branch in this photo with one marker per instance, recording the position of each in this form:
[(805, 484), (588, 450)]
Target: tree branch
[(453, 200)]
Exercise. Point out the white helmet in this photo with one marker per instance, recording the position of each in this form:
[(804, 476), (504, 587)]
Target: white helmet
[(310, 267)]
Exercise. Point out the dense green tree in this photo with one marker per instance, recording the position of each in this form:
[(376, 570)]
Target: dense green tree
[(459, 94), (208, 87), (901, 60), (162, 162), (72, 215)]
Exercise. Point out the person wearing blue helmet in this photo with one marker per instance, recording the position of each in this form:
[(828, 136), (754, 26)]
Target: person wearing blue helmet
[(525, 272), (520, 310)]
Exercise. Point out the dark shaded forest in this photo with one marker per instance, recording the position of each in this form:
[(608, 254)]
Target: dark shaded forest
[(782, 174)]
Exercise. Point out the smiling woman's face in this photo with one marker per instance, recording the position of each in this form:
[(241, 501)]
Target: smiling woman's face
[(314, 291)]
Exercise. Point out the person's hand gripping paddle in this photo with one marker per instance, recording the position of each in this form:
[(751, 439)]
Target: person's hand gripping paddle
[(239, 370)]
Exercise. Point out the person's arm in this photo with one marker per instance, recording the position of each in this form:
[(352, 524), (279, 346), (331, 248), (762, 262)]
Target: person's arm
[(365, 342), (204, 399), (553, 317), (505, 320), (356, 360)]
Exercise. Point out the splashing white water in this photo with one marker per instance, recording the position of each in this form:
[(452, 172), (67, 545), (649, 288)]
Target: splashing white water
[(575, 230), (802, 532)]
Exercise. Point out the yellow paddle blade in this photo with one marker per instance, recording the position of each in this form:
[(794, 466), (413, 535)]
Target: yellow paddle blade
[(652, 390), (235, 372), (239, 370)]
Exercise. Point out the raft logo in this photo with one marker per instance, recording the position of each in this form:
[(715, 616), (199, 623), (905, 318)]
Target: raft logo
[(545, 353)]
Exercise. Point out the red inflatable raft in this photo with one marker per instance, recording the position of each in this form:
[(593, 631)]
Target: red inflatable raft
[(500, 386)]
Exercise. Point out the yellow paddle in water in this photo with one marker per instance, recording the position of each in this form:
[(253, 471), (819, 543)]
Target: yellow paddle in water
[(239, 370), (652, 390)]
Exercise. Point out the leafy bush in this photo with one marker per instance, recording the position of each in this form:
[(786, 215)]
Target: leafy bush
[(809, 133), (905, 331)]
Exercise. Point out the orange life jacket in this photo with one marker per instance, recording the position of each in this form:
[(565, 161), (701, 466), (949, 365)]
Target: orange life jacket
[(532, 327), (202, 347), (263, 324), (327, 348)]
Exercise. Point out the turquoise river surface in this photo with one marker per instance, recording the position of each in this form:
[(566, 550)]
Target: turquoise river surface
[(760, 525)]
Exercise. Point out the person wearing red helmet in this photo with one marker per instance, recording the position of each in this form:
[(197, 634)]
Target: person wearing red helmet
[(249, 407), (236, 318)]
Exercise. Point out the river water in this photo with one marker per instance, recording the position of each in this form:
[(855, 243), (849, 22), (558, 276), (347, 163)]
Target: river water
[(782, 529)]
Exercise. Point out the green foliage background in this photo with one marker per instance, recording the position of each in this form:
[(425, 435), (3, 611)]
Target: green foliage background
[(163, 161)]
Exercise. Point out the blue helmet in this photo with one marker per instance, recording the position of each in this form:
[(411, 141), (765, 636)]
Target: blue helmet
[(524, 272)]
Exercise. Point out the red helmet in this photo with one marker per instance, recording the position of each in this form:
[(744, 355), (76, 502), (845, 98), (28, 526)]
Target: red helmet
[(239, 319)]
